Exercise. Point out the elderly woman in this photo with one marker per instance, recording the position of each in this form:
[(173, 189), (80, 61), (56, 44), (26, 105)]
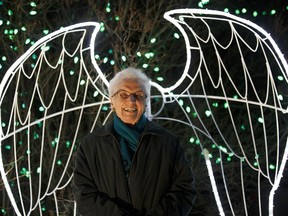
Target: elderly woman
[(131, 166)]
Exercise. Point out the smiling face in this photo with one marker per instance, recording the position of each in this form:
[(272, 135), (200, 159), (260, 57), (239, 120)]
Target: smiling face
[(129, 101)]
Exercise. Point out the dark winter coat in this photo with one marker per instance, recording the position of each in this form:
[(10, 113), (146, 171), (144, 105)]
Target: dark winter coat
[(160, 180)]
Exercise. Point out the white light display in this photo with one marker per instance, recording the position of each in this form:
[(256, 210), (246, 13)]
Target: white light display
[(19, 121)]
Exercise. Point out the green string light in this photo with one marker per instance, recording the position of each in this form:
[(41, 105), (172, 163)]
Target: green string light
[(145, 65), (208, 113), (176, 35), (244, 10), (149, 55), (272, 167), (108, 9), (105, 108), (260, 120), (76, 59), (280, 97), (46, 31), (27, 41), (105, 60), (153, 40), (156, 69), (33, 4), (95, 93), (68, 144), (33, 13), (10, 12)]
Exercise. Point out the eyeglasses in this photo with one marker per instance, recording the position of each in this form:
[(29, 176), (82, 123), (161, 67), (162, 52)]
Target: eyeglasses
[(124, 95)]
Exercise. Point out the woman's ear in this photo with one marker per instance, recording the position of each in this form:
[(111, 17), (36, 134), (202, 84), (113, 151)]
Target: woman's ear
[(112, 107)]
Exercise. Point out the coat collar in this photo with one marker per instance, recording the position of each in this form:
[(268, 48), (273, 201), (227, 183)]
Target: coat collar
[(150, 128)]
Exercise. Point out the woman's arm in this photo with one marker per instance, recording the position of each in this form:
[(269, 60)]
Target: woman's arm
[(89, 200), (179, 199)]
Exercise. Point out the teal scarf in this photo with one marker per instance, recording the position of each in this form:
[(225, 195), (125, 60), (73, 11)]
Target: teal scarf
[(129, 138)]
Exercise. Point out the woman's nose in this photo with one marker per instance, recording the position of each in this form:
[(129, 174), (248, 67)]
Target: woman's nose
[(132, 97)]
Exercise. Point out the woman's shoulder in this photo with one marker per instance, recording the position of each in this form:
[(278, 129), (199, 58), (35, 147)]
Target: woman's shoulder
[(157, 129), (99, 132)]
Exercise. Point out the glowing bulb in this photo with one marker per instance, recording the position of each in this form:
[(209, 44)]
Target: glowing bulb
[(82, 82), (176, 35), (160, 79), (124, 58), (32, 13), (153, 40), (95, 93), (10, 12), (273, 12), (156, 69), (145, 65), (260, 120), (208, 113)]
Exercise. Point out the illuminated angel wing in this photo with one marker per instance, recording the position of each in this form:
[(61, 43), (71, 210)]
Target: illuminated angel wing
[(39, 127), (233, 95)]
